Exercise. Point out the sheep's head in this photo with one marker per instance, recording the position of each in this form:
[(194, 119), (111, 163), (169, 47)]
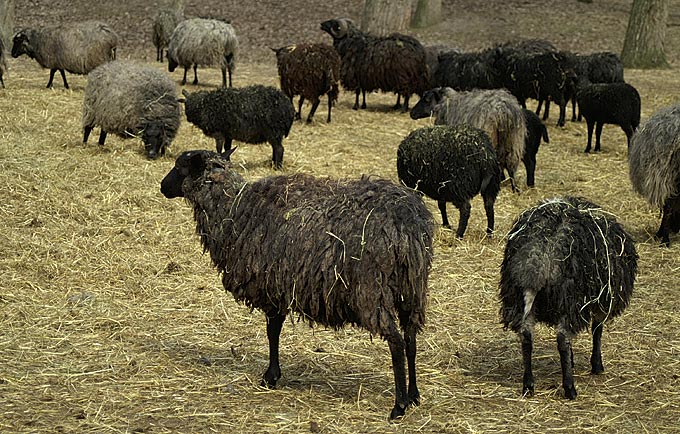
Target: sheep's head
[(428, 103), (189, 167), (21, 44), (172, 63), (338, 28), (155, 139)]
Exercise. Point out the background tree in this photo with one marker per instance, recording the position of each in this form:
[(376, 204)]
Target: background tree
[(382, 17), (7, 22), (646, 34), (427, 13)]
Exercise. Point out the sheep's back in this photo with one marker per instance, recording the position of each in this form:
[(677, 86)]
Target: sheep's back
[(394, 64), (203, 42), (309, 70), (616, 103), (654, 157), (77, 48)]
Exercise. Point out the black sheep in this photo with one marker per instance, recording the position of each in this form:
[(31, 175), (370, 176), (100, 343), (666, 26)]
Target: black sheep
[(570, 265), (253, 114), (309, 70), (394, 63), (451, 164), (467, 71), (604, 67), (335, 252), (536, 131), (609, 103)]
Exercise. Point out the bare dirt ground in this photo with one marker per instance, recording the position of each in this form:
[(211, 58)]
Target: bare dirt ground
[(112, 320)]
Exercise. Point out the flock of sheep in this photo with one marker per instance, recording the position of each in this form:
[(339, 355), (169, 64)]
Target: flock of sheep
[(359, 251)]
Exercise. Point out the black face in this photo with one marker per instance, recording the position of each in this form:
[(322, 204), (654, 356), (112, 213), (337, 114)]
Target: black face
[(190, 164), (172, 64), (154, 140), (427, 103), (20, 44), (332, 27)]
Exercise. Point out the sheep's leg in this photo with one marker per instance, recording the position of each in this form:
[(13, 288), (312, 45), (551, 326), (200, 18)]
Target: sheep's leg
[(598, 134), (102, 137), (596, 357), (527, 336), (442, 209), (298, 115), (397, 347), (315, 104), (464, 209), (224, 76), (49, 83), (63, 77), (330, 106), (184, 79), (397, 106), (573, 109), (538, 107), (277, 154), (513, 184), (488, 208), (273, 372), (567, 362), (220, 142), (665, 228), (356, 99), (530, 166), (591, 127), (86, 133), (563, 114), (410, 340), (363, 96), (406, 99), (629, 133), (195, 74)]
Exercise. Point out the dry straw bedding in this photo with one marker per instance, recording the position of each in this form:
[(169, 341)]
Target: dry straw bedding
[(113, 321)]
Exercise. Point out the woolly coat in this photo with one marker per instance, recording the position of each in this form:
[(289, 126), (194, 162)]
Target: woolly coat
[(467, 71), (309, 70), (654, 157), (76, 47), (334, 251), (611, 103), (204, 42), (578, 261)]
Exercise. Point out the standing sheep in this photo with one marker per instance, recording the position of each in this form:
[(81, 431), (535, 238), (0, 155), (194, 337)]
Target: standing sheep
[(394, 63), (77, 48), (568, 264), (164, 23), (131, 100), (201, 41), (451, 164), (609, 103), (535, 132), (654, 167), (335, 252), (604, 67), (253, 114), (309, 70), (494, 111)]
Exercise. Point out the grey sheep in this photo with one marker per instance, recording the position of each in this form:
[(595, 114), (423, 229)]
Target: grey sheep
[(609, 103), (536, 131), (394, 63), (164, 23), (309, 70), (451, 164), (495, 111), (77, 48), (654, 167), (335, 252), (132, 100), (201, 41), (568, 264), (253, 114)]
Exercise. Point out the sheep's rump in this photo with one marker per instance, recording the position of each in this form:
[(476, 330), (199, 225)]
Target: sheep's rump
[(121, 97), (336, 251), (574, 256), (77, 47), (310, 70), (203, 42), (654, 157)]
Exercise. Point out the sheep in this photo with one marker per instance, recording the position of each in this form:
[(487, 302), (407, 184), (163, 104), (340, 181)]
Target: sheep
[(603, 67), (654, 167), (535, 132), (335, 252), (451, 164), (467, 71), (609, 103), (132, 100), (77, 47), (201, 41), (309, 70), (164, 23), (253, 114), (494, 111), (394, 63), (569, 264), (3, 63)]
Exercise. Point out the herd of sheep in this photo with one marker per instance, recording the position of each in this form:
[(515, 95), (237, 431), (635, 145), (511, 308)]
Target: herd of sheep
[(359, 251)]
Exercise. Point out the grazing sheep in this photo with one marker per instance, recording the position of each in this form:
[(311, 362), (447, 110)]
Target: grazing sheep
[(609, 103), (335, 252), (132, 100), (164, 23), (451, 164), (77, 47), (201, 41), (535, 132), (394, 63), (467, 71), (309, 70), (253, 114), (3, 63), (494, 111), (654, 167), (568, 264)]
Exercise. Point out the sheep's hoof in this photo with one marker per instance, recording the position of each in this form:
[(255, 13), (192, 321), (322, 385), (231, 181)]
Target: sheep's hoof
[(528, 391), (596, 370), (570, 392), (397, 412)]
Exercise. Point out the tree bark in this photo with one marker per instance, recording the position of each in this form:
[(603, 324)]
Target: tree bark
[(427, 13), (7, 22), (646, 35), (382, 17)]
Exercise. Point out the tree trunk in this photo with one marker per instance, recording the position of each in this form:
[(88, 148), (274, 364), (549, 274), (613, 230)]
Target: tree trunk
[(428, 13), (646, 34), (7, 22), (382, 17)]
